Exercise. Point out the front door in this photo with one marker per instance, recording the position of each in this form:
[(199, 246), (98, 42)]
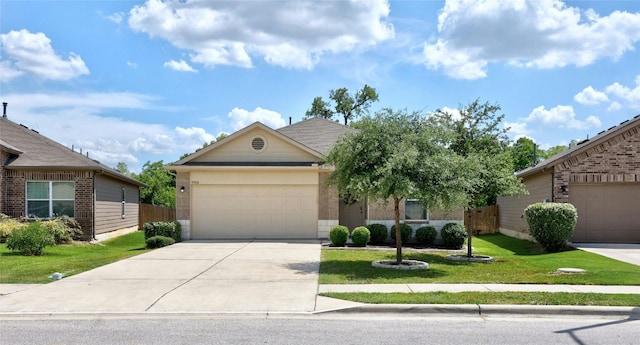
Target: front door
[(352, 213)]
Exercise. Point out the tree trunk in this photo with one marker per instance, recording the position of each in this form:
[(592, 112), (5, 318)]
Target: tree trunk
[(396, 202), (469, 234)]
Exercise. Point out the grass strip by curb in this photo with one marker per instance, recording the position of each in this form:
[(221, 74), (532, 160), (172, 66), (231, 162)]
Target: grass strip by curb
[(518, 298)]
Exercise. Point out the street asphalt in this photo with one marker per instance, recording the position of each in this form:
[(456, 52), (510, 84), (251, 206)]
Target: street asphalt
[(249, 277)]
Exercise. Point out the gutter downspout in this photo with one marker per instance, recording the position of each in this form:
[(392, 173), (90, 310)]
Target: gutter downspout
[(93, 213)]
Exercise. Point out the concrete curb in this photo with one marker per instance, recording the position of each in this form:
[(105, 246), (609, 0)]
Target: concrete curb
[(491, 310)]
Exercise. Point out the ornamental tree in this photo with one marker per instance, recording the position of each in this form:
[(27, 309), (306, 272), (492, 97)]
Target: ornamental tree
[(479, 136), (397, 154)]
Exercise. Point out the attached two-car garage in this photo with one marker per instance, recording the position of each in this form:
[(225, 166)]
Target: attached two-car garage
[(260, 205)]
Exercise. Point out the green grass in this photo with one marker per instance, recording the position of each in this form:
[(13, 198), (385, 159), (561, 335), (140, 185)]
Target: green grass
[(522, 298), (69, 259), (517, 261)]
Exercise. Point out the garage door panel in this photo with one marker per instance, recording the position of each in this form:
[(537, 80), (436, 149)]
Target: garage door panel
[(607, 212), (254, 211)]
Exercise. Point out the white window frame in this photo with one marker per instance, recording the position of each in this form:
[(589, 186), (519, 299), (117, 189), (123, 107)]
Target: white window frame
[(425, 211), (50, 198)]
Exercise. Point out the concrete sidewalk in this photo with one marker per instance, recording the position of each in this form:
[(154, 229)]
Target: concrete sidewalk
[(409, 288)]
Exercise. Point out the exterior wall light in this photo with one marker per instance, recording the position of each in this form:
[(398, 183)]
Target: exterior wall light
[(182, 189)]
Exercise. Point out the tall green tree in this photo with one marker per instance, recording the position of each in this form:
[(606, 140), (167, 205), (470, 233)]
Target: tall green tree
[(552, 151), (395, 155), (479, 136), (161, 185), (522, 154), (345, 104), (122, 168)]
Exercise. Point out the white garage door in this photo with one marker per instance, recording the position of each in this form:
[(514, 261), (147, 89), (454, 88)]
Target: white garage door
[(254, 211), (606, 212)]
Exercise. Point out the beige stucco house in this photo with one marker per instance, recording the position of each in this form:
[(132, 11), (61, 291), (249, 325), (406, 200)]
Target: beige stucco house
[(600, 177), (271, 184)]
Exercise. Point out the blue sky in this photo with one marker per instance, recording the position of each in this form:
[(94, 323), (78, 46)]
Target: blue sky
[(137, 81)]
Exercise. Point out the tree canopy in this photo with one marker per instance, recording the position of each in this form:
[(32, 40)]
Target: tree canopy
[(478, 135), (397, 154), (160, 183), (344, 104)]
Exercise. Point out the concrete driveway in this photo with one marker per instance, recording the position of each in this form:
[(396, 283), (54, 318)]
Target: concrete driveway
[(190, 276), (622, 252)]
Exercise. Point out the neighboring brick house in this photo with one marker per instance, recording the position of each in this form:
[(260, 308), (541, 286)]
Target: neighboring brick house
[(40, 178), (600, 176), (265, 183)]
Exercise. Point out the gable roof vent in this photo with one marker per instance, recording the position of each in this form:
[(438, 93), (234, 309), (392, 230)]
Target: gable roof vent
[(258, 144)]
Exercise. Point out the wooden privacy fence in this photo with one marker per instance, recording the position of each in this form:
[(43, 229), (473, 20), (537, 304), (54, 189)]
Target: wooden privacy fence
[(155, 213), (482, 220)]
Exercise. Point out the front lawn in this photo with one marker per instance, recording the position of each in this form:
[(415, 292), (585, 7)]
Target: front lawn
[(69, 259), (517, 261)]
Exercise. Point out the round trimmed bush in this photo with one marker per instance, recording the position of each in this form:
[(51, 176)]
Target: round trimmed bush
[(339, 235), (426, 235), (405, 232), (551, 224), (379, 233), (453, 235), (360, 236), (159, 242), (31, 239)]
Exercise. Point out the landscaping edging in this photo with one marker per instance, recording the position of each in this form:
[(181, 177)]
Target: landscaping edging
[(404, 265), (473, 258)]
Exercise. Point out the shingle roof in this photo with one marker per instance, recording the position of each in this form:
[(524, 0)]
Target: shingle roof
[(317, 133), (35, 151), (582, 146)]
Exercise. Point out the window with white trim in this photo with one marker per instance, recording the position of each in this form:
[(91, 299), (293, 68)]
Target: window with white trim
[(413, 210), (48, 199)]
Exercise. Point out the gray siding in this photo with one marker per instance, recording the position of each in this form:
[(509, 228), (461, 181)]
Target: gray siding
[(512, 208), (109, 205)]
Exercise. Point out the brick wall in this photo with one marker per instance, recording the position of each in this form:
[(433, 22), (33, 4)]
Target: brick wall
[(616, 160), (15, 181), (3, 156)]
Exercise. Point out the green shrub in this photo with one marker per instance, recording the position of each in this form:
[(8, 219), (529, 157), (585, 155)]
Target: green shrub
[(360, 236), (426, 235), (406, 232), (379, 233), (551, 224), (159, 242), (453, 235), (30, 240), (339, 235), (63, 229), (167, 229), (7, 226)]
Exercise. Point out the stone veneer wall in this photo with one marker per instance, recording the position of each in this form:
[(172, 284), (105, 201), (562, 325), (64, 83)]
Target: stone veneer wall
[(328, 206), (183, 203)]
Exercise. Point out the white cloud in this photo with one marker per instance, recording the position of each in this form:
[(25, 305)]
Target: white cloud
[(132, 64), (79, 120), (614, 106), (292, 34), (242, 118), (561, 116), (181, 66), (30, 53), (590, 96), (516, 130), (627, 94), (117, 17), (525, 33)]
